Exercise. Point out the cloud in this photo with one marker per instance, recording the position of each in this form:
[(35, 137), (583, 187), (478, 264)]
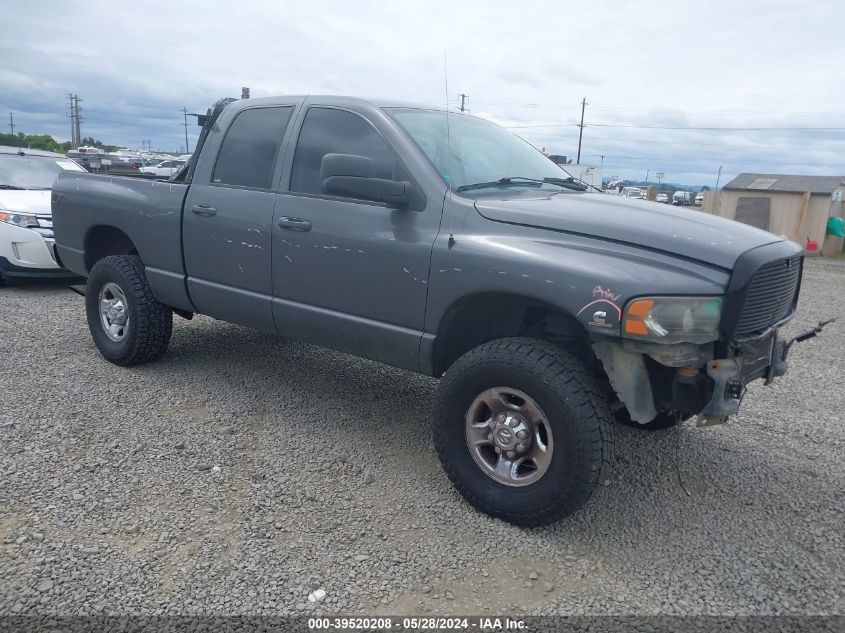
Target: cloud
[(676, 65)]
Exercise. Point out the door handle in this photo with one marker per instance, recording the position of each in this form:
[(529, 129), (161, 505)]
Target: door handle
[(294, 224), (203, 209)]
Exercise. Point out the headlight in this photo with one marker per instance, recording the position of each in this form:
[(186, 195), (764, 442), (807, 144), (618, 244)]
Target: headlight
[(673, 319), (23, 220)]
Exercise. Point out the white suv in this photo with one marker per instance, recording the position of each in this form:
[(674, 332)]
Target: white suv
[(26, 222), (166, 168)]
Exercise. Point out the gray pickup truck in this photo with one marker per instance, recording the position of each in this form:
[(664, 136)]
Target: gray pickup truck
[(443, 244)]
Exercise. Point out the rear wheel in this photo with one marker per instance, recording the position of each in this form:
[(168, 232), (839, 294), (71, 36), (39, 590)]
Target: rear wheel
[(127, 324), (521, 430)]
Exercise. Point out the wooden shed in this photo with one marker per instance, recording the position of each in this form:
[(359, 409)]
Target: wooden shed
[(795, 206)]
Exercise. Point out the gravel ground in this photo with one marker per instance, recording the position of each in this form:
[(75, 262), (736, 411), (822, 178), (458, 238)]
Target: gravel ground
[(240, 473)]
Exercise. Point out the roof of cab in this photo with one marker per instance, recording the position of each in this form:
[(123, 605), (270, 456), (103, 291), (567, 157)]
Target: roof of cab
[(339, 100)]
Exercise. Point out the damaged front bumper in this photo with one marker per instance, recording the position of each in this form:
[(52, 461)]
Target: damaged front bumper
[(687, 380), (765, 358)]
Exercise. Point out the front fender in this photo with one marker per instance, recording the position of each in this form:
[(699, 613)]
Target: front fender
[(588, 278)]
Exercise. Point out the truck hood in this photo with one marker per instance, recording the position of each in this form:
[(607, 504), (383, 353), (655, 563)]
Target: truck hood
[(26, 201), (671, 230)]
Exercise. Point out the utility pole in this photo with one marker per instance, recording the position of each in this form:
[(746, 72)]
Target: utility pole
[(185, 114), (463, 100), (602, 159), (581, 130), (78, 119), (72, 116), (75, 118), (718, 193), (647, 172), (12, 122)]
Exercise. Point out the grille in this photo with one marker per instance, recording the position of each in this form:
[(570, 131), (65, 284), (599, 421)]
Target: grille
[(771, 295), (45, 221)]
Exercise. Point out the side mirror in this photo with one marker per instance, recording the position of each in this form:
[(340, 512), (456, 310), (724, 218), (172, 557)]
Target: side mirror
[(354, 176)]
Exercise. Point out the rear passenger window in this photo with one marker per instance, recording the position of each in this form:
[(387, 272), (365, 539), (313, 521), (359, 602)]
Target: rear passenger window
[(249, 150), (331, 131)]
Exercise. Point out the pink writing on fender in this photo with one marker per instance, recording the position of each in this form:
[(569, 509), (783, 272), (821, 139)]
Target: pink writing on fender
[(605, 293)]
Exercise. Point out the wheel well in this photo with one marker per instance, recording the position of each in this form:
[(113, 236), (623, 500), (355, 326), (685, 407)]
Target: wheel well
[(484, 317), (103, 241)]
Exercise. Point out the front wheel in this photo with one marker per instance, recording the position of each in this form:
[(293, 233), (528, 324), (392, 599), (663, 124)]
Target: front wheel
[(128, 325), (521, 430)]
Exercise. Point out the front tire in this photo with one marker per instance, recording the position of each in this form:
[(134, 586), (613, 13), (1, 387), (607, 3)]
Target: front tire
[(128, 325), (522, 430)]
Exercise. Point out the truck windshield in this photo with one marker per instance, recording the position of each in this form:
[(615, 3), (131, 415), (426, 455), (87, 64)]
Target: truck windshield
[(32, 172), (477, 154)]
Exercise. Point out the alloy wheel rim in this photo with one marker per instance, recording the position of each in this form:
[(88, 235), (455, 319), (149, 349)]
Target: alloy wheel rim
[(114, 313), (509, 436)]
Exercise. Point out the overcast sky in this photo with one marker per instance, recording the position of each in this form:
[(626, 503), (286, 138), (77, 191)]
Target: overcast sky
[(641, 65)]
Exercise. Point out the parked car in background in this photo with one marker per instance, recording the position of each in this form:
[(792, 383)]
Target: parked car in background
[(699, 198), (26, 221), (111, 164), (662, 197), (633, 192), (682, 198), (166, 168)]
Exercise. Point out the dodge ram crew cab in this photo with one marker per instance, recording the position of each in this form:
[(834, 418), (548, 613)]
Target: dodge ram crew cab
[(441, 243)]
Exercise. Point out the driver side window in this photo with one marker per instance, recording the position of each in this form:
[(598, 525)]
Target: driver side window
[(333, 131)]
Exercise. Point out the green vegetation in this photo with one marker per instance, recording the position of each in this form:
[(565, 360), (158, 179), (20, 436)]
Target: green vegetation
[(48, 143)]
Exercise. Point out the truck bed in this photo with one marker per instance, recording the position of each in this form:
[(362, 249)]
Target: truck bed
[(148, 210)]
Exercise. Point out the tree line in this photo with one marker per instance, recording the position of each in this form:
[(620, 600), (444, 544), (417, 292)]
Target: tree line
[(48, 143)]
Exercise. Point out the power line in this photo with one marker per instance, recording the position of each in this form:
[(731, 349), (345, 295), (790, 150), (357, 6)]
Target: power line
[(716, 161), (696, 143), (677, 127), (705, 128), (628, 108)]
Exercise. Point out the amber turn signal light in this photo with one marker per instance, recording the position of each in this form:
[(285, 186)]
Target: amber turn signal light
[(634, 316)]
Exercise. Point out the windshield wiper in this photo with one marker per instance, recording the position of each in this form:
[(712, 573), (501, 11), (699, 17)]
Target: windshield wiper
[(10, 187), (584, 184), (566, 183)]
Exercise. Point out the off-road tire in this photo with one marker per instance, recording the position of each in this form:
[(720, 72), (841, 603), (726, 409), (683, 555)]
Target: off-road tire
[(570, 398), (150, 322)]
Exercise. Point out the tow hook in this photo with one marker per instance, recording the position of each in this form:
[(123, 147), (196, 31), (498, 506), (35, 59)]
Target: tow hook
[(810, 333), (727, 392), (779, 363)]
